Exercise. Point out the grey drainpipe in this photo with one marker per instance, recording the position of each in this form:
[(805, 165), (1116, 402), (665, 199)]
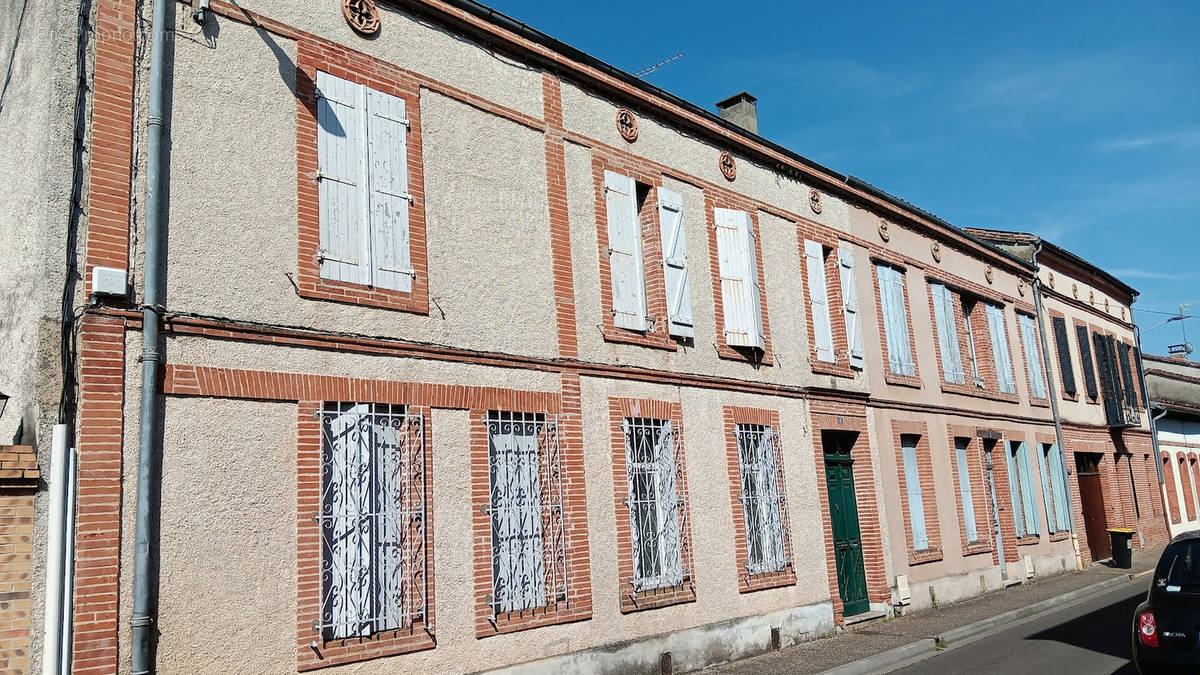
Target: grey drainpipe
[(142, 620), (1053, 396)]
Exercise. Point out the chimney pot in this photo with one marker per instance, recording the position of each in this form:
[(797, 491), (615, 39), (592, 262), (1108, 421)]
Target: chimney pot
[(741, 110)]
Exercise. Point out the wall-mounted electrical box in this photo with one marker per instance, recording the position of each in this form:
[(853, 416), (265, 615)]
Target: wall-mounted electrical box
[(109, 281)]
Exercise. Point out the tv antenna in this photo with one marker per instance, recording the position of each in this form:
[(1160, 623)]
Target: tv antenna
[(650, 69)]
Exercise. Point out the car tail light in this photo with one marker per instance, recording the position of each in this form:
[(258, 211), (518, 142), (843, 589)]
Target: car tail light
[(1147, 631)]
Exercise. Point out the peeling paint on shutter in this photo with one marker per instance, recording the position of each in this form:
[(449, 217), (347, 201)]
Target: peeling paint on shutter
[(1085, 356), (675, 262), (947, 331), (387, 156), (895, 320), (1032, 524), (814, 258), (739, 278), (1033, 357), (1123, 354), (625, 252), (912, 485), (1000, 354), (1066, 367), (961, 446), (1014, 488), (850, 307), (341, 175), (1047, 495)]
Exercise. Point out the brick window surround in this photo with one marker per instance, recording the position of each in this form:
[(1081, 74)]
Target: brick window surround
[(996, 449), (747, 582), (928, 495), (1172, 494), (659, 334), (632, 600), (730, 200), (977, 475), (833, 298), (1185, 475), (1027, 446), (1044, 440), (314, 55), (1043, 402), (913, 380), (970, 302)]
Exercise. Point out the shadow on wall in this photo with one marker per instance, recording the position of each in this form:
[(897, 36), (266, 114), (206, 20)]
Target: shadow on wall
[(298, 82)]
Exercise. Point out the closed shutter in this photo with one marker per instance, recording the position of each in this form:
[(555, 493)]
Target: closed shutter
[(675, 262), (341, 174), (850, 314), (964, 487), (625, 252), (1000, 354), (1047, 494), (1060, 489), (1137, 369), (947, 330), (814, 259), (387, 155), (895, 320), (1014, 489), (1066, 367), (736, 254), (1033, 356), (1029, 504), (1123, 354), (1110, 378), (912, 485), (1085, 358), (668, 506)]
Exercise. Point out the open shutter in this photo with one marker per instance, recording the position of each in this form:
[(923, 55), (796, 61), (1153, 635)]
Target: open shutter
[(1123, 354), (1066, 367), (947, 331), (675, 263), (668, 507), (916, 505), (1014, 488), (1032, 524), (773, 501), (854, 336), (1060, 489), (739, 278), (1047, 494), (341, 174), (1033, 356), (895, 320), (814, 259), (1110, 379), (1085, 357), (1000, 354), (1137, 367), (625, 252), (964, 488), (387, 159)]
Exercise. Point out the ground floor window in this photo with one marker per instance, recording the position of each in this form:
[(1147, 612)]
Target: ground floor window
[(655, 509), (763, 502)]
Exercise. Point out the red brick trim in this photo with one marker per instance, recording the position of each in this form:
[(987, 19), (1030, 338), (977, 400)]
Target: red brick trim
[(933, 528), (847, 417), (315, 54), (631, 599), (731, 200), (17, 496), (897, 379), (18, 467), (977, 475), (659, 333), (747, 582), (417, 637), (98, 530), (1008, 528), (840, 367), (1185, 475), (560, 225)]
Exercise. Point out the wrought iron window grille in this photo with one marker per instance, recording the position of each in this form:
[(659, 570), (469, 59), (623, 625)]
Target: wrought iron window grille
[(657, 513), (764, 505)]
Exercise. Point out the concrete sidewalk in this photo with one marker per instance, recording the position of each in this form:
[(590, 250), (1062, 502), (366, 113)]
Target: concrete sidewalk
[(916, 631)]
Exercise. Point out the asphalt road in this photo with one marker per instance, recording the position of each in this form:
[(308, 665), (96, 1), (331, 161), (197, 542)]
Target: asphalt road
[(1092, 637)]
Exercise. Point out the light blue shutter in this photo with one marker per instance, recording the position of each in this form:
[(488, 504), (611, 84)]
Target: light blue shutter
[(625, 252), (736, 255), (1047, 495), (964, 488), (916, 505), (1033, 357), (1029, 504), (854, 336), (1014, 488), (947, 330), (814, 258), (387, 157), (895, 320), (1000, 355), (341, 175), (1059, 488), (675, 262), (668, 507)]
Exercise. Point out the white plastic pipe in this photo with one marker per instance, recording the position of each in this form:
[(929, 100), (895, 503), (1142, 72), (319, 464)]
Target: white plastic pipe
[(68, 586), (52, 634)]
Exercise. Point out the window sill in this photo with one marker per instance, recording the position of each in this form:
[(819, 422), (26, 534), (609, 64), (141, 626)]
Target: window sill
[(913, 381), (745, 354), (976, 392), (835, 368), (1070, 397), (1060, 536), (1029, 540), (931, 554), (658, 597), (976, 548), (512, 622), (354, 294), (352, 650), (764, 580), (1039, 402), (645, 339)]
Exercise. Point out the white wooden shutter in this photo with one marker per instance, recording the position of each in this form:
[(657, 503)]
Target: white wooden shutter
[(1060, 489), (916, 505), (1014, 489), (818, 295), (947, 330), (771, 502), (341, 174), (1032, 525), (965, 490), (387, 162), (1000, 355), (736, 254), (1033, 357), (675, 262), (668, 507), (854, 336), (1047, 495), (895, 320), (625, 252)]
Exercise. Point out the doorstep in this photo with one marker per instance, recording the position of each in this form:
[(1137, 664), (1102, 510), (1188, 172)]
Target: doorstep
[(863, 618)]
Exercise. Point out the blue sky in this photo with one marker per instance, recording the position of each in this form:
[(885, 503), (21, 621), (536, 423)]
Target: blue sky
[(1078, 121)]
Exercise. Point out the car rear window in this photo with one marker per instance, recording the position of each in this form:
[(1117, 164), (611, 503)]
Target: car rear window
[(1179, 568)]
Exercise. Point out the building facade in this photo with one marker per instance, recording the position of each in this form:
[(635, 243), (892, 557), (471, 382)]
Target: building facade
[(478, 354), (1173, 385)]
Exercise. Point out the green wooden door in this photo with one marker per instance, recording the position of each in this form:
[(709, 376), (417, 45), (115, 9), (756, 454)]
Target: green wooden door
[(847, 540)]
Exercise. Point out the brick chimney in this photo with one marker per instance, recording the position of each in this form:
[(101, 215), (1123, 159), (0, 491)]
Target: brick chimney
[(740, 110)]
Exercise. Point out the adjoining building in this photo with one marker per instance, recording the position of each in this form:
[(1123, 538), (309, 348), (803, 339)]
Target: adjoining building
[(459, 349), (1173, 384)]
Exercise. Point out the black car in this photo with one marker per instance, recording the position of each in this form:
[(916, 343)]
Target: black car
[(1166, 626)]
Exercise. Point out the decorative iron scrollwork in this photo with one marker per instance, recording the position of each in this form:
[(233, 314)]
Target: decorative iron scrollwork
[(362, 15), (728, 165), (627, 125)]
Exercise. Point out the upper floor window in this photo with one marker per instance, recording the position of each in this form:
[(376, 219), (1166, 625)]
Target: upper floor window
[(625, 259), (675, 263), (1033, 356), (362, 171), (947, 334), (1000, 354), (737, 255), (895, 320), (818, 295), (1066, 366), (854, 338)]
